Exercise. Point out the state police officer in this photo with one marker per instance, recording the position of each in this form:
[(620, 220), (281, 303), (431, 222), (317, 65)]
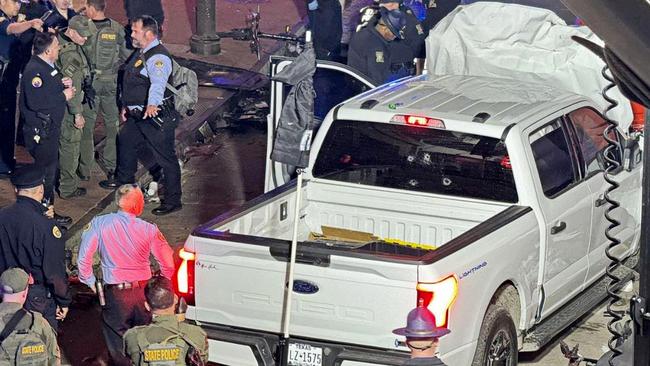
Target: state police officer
[(183, 340), (150, 116), (10, 65), (33, 242), (106, 48), (43, 102), (373, 49)]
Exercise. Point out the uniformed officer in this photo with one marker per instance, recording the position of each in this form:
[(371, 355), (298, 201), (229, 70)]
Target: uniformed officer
[(10, 65), (125, 243), (149, 113), (73, 64), (43, 102), (166, 341), (422, 337), (326, 24), (33, 242), (106, 48), (373, 49), (59, 14), (27, 339), (436, 10)]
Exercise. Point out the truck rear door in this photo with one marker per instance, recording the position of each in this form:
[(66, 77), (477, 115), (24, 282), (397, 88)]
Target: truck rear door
[(333, 83), (343, 298)]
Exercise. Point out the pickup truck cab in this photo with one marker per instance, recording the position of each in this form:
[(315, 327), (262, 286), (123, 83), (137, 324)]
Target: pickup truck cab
[(481, 198)]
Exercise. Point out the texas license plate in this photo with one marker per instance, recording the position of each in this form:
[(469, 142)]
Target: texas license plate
[(301, 354)]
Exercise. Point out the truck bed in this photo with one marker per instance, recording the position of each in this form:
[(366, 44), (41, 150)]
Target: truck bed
[(409, 217)]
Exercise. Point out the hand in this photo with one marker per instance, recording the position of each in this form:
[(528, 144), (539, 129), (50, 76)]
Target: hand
[(151, 111), (69, 93), (79, 121), (37, 24), (123, 115), (50, 211), (67, 82), (61, 313)]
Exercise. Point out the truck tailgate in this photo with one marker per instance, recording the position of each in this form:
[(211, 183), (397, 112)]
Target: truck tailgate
[(241, 285)]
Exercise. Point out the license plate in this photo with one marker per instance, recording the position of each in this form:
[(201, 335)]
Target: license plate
[(301, 354)]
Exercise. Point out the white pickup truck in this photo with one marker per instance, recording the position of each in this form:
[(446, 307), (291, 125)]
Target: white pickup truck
[(505, 178)]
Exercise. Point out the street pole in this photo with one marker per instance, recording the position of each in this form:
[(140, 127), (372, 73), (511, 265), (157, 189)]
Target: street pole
[(205, 41)]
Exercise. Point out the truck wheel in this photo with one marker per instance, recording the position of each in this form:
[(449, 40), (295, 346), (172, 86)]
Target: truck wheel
[(497, 341)]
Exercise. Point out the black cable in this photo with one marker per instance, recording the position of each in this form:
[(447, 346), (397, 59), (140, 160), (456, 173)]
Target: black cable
[(612, 164)]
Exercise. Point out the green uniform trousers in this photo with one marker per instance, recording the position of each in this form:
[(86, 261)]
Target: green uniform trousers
[(69, 144), (105, 105)]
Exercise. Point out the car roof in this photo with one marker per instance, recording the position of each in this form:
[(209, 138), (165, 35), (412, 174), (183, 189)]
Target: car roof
[(490, 101)]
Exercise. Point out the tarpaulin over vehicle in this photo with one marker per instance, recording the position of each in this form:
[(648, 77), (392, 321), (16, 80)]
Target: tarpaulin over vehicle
[(524, 43)]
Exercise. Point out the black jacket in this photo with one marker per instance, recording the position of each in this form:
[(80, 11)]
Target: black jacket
[(42, 92), (33, 242), (433, 361), (326, 24)]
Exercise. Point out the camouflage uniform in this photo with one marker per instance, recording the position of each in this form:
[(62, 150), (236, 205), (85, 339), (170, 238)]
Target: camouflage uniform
[(73, 63), (164, 342), (106, 49)]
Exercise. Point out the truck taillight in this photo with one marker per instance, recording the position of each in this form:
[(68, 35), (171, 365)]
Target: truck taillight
[(185, 276), (438, 297), (418, 121)]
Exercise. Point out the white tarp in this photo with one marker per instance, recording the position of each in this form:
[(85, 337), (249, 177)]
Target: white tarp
[(523, 43)]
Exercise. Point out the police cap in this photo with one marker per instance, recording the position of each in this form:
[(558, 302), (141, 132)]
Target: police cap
[(395, 20), (80, 24), (13, 281), (421, 323), (29, 176)]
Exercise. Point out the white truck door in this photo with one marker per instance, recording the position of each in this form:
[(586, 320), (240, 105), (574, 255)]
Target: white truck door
[(565, 202), (333, 82), (589, 128)]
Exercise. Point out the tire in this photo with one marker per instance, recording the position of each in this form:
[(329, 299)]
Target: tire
[(497, 341)]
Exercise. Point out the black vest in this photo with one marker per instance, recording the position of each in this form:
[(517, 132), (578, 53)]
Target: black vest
[(135, 86)]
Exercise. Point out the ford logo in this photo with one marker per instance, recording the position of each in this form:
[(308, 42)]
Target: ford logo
[(304, 287)]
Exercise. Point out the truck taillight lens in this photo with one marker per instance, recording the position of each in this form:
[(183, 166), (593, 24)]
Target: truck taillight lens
[(438, 297), (185, 276), (419, 121)]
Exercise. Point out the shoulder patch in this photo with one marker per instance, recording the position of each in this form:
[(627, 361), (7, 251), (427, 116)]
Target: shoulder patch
[(37, 82), (158, 64), (56, 232)]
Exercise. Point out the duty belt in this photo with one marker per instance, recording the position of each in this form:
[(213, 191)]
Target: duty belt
[(126, 285)]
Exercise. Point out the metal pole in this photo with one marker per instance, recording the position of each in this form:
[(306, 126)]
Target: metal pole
[(292, 260), (206, 40)]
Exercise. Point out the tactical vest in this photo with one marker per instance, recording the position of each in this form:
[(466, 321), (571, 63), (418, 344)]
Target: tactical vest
[(71, 59), (25, 346), (105, 47), (170, 351), (135, 86)]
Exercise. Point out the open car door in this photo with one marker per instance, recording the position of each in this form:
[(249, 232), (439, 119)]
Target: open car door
[(333, 83)]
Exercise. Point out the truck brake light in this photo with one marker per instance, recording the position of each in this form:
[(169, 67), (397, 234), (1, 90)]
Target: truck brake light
[(185, 276), (438, 297), (418, 121)]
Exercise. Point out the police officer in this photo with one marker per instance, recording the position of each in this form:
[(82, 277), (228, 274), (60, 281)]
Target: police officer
[(181, 339), (149, 112), (73, 64), (326, 24), (59, 14), (124, 243), (436, 10), (43, 102), (20, 328), (374, 50), (10, 65), (106, 48), (33, 242), (422, 337)]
